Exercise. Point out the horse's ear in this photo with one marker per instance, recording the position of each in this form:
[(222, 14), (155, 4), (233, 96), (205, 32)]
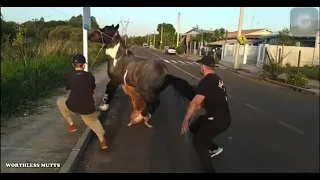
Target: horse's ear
[(117, 27), (112, 25)]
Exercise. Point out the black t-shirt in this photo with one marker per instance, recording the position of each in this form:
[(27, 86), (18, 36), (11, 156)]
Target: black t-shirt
[(216, 100), (82, 85)]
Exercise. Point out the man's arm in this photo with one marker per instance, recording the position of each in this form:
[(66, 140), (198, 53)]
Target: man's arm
[(93, 83), (66, 79), (193, 106), (196, 101)]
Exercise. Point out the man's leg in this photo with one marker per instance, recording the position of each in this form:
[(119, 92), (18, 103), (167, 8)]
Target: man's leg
[(202, 142), (66, 113), (94, 124)]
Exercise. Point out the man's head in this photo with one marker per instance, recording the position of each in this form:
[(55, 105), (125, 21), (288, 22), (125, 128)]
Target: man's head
[(206, 64), (79, 62)]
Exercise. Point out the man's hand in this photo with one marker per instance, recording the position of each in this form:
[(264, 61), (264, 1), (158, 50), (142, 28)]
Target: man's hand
[(184, 126)]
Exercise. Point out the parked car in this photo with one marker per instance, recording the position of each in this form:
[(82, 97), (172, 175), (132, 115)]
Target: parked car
[(170, 50)]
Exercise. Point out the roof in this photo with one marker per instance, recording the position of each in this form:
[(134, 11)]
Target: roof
[(276, 33), (199, 31), (234, 34)]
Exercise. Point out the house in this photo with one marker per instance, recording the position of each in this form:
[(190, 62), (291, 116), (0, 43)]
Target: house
[(252, 35), (302, 41), (186, 37)]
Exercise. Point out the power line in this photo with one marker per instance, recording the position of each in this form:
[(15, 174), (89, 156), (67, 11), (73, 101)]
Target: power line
[(124, 28), (61, 12)]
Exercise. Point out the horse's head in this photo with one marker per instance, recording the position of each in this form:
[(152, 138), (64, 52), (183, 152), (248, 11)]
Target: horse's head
[(104, 35)]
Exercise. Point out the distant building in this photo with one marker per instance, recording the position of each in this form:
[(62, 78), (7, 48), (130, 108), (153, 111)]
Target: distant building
[(252, 35), (302, 41)]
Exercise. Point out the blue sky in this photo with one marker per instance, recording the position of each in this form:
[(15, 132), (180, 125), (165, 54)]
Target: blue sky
[(145, 19)]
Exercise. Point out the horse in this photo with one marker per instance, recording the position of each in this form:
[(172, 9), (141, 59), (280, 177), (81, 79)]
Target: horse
[(142, 79)]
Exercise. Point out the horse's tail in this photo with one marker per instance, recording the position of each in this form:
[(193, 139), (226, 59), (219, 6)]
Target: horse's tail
[(181, 86)]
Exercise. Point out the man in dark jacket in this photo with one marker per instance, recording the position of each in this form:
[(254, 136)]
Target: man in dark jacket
[(80, 100), (212, 93)]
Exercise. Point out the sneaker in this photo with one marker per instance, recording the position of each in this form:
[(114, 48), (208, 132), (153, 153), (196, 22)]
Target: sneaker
[(72, 128), (215, 152), (103, 144), (104, 107)]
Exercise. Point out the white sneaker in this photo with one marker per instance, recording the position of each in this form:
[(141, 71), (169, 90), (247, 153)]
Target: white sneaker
[(104, 107), (215, 152)]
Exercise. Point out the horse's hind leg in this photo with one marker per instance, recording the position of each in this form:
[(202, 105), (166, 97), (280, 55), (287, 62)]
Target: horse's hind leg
[(137, 102)]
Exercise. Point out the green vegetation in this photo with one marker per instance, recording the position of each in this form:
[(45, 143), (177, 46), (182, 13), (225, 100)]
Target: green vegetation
[(274, 68), (169, 37), (309, 72), (34, 58)]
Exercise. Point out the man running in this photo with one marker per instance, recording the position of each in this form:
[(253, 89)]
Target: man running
[(80, 100), (212, 93)]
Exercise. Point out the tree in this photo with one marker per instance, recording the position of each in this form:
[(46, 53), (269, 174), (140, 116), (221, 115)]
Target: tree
[(168, 33), (284, 38)]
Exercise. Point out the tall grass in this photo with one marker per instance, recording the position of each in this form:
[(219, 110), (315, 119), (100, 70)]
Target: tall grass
[(34, 75)]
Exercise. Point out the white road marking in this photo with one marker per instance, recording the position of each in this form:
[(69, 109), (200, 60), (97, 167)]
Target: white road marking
[(252, 107), (172, 61), (167, 61), (181, 62), (188, 62), (291, 127), (176, 67), (15, 148)]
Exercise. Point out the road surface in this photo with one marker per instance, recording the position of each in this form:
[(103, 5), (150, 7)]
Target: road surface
[(273, 130)]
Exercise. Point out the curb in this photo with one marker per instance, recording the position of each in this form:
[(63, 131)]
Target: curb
[(79, 148), (293, 87), (71, 163)]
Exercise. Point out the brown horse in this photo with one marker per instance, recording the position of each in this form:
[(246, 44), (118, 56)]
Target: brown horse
[(142, 79)]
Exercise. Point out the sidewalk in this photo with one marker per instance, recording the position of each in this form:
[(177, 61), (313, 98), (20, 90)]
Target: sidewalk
[(252, 71), (44, 138)]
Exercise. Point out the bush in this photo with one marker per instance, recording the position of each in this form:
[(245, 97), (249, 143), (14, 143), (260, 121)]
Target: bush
[(180, 50), (25, 79), (297, 79)]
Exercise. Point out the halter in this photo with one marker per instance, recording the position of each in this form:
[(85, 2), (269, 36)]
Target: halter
[(103, 44), (111, 37)]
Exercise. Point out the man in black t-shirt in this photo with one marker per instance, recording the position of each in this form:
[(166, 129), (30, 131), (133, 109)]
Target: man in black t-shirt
[(80, 100), (213, 95)]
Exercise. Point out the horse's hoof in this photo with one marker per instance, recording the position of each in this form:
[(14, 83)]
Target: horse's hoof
[(148, 125), (104, 107)]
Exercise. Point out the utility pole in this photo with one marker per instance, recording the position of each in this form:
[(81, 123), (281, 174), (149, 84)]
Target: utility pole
[(124, 28), (252, 22), (201, 44), (178, 29), (161, 35), (154, 40), (236, 57), (148, 39)]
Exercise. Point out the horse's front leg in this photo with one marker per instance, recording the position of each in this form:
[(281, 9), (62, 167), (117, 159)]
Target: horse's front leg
[(111, 89)]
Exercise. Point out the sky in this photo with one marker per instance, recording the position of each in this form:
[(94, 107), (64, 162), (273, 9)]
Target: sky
[(145, 19)]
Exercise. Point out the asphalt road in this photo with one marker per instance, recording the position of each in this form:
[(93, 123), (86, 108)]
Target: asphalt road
[(273, 130)]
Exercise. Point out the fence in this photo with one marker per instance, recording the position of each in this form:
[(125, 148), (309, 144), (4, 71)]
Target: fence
[(255, 55), (248, 54)]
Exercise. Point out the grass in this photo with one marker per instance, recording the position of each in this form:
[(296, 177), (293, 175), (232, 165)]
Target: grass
[(307, 71), (25, 81)]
